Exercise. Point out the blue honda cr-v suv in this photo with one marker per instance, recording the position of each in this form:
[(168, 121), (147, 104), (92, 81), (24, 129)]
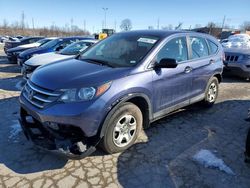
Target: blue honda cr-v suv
[(123, 83)]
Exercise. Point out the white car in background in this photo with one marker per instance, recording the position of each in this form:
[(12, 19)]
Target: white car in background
[(68, 52), (237, 41)]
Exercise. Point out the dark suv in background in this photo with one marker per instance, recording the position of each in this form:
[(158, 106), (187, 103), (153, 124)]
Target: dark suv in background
[(25, 40), (121, 84)]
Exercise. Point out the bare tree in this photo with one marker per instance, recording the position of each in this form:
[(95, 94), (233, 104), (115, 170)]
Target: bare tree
[(179, 26), (126, 25), (150, 27), (197, 26), (169, 27), (245, 26), (15, 29)]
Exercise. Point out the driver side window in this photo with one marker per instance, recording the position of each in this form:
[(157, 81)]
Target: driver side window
[(174, 49)]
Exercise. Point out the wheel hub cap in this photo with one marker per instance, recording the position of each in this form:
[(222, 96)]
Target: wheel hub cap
[(212, 92), (124, 130)]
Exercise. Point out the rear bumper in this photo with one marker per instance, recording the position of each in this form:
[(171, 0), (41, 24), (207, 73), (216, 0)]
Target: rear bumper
[(71, 143)]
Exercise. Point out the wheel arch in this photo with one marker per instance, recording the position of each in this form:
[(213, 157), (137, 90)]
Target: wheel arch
[(141, 100), (218, 76)]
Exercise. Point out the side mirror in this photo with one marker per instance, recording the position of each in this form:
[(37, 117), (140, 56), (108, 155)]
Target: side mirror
[(167, 63)]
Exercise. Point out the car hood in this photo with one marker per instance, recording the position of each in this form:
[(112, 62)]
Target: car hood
[(24, 47), (243, 51), (35, 44), (32, 51), (75, 74), (47, 58), (12, 42)]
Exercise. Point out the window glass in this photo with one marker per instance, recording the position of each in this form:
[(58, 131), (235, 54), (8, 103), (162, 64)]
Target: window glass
[(62, 45), (51, 43), (74, 48), (33, 40), (174, 49), (213, 47), (199, 47)]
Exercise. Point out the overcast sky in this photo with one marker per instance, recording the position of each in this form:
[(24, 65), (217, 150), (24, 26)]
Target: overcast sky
[(142, 13)]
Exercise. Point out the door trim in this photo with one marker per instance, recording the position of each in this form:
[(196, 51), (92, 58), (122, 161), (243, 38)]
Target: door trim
[(164, 112)]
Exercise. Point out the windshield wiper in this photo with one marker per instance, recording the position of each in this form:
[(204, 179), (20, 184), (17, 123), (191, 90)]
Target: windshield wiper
[(98, 62)]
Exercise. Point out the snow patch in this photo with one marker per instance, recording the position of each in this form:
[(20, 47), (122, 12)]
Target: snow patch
[(209, 160), (15, 130)]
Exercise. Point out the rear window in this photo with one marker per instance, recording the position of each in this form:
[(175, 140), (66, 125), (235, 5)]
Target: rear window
[(213, 47)]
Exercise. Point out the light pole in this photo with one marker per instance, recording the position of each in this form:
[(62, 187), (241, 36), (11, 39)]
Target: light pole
[(105, 12)]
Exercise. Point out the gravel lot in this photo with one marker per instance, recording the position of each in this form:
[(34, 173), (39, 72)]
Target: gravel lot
[(162, 157)]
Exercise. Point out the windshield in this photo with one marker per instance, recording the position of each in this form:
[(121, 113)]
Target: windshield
[(50, 44), (43, 41), (75, 48), (121, 50)]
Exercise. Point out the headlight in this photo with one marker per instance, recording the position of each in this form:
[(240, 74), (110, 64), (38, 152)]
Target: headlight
[(83, 94)]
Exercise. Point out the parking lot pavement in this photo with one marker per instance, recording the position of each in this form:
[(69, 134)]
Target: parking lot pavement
[(162, 157)]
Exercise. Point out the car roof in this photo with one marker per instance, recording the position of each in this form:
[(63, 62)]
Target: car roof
[(32, 37), (51, 38), (156, 33), (74, 37), (88, 40), (164, 33)]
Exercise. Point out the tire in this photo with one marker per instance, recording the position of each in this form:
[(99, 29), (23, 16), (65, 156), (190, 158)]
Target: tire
[(120, 135), (211, 93), (247, 152)]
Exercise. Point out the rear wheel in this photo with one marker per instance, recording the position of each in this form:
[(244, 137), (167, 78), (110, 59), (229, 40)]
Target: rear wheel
[(123, 128), (212, 91)]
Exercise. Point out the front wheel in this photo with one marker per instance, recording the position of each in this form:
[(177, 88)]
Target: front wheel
[(212, 91), (123, 128)]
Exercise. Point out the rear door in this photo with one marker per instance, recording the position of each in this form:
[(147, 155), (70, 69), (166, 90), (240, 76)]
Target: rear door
[(171, 86), (201, 64)]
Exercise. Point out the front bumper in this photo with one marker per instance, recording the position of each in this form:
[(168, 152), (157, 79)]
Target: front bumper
[(238, 69), (87, 116), (11, 57), (68, 142)]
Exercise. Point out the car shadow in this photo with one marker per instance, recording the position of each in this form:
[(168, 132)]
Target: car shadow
[(12, 83), (148, 162), (8, 66)]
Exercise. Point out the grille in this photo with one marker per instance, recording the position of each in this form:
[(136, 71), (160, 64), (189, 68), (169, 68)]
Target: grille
[(232, 58), (38, 96)]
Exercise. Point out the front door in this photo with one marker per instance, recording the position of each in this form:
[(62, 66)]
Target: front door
[(172, 85)]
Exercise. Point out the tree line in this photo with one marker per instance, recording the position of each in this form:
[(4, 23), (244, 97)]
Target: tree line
[(16, 28)]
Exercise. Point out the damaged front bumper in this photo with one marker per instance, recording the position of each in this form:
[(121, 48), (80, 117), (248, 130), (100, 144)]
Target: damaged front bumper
[(68, 140)]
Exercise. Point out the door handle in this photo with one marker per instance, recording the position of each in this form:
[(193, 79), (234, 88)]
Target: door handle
[(212, 61), (188, 69)]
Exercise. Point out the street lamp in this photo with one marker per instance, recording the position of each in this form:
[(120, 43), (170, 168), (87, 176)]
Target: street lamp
[(105, 12)]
